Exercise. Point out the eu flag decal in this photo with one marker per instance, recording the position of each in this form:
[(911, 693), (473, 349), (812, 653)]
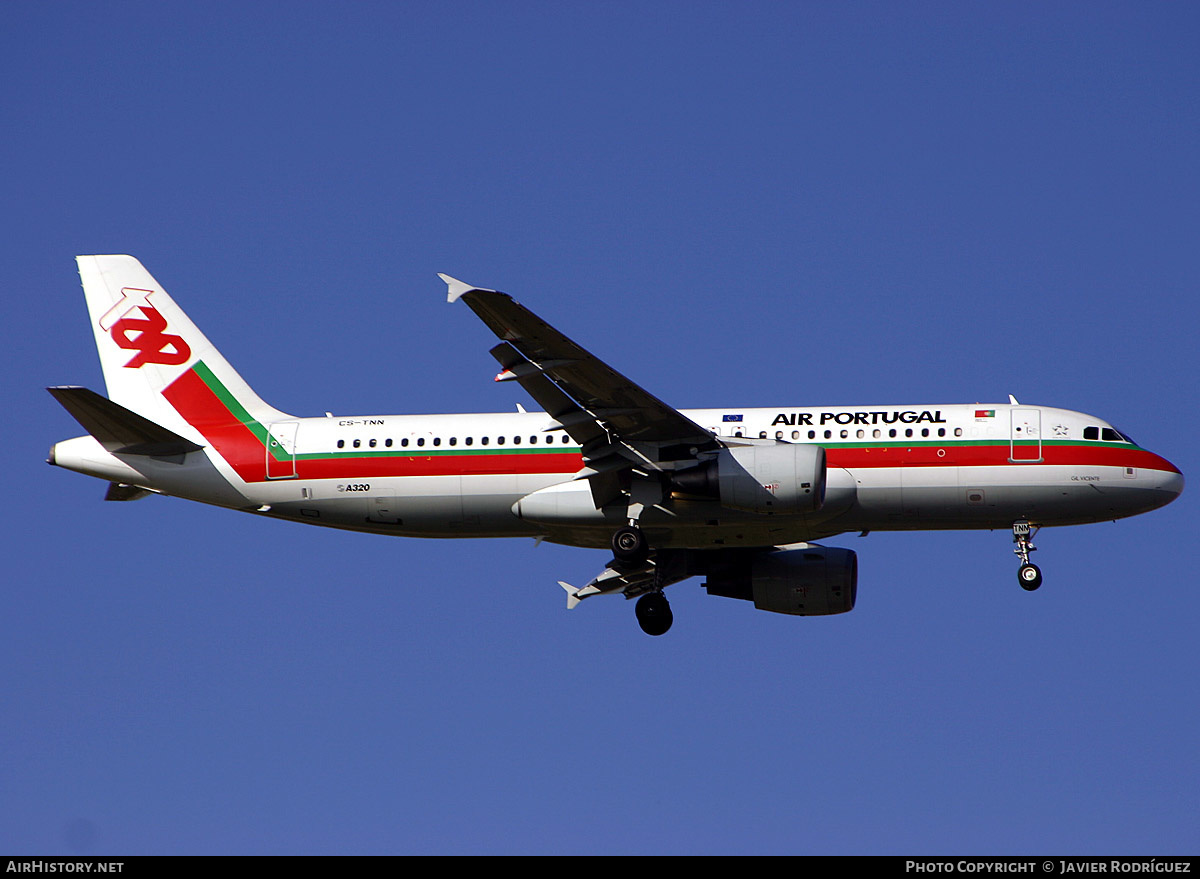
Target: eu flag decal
[(731, 418)]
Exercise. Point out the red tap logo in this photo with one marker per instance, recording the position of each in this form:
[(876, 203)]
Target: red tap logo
[(145, 334)]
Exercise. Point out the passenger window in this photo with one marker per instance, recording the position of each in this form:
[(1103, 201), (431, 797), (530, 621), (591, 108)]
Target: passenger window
[(892, 433), (499, 440), (924, 431), (941, 431), (341, 444), (779, 434), (404, 442), (566, 439), (812, 434), (469, 440), (549, 439), (388, 442), (533, 440), (845, 434), (795, 434), (958, 431), (877, 433), (483, 440), (421, 441), (454, 441), (828, 434), (908, 432), (762, 434), (861, 434), (357, 443)]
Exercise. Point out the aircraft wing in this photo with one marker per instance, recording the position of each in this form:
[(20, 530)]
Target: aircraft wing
[(618, 424)]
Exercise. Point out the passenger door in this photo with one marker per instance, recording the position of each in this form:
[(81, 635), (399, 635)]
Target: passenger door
[(1026, 436)]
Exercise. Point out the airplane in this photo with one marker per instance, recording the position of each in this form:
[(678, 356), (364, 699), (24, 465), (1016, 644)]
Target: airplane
[(736, 495)]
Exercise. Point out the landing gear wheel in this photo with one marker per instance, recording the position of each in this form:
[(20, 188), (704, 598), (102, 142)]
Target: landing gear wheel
[(654, 613), (629, 545), (1030, 577)]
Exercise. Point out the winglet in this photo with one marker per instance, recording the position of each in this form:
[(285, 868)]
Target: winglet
[(456, 288), (572, 594)]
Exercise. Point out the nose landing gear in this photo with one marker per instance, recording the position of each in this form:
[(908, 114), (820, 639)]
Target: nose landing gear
[(1028, 575)]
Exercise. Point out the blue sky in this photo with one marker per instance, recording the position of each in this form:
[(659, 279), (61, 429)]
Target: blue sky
[(734, 204)]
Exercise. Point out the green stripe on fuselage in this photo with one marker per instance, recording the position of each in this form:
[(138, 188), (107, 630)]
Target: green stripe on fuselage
[(238, 413)]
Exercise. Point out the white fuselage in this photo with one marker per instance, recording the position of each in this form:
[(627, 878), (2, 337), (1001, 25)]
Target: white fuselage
[(889, 468)]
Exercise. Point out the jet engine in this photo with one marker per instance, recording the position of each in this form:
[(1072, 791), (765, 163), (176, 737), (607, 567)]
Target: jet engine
[(813, 581), (786, 478)]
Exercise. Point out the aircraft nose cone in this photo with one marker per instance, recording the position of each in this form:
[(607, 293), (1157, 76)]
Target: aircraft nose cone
[(1173, 483), (1167, 483)]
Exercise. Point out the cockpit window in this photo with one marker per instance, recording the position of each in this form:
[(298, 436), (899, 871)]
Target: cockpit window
[(1091, 433), (1112, 436)]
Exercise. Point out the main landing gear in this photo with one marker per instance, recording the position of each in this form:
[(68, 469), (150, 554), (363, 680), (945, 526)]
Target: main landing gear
[(1028, 575), (630, 548), (654, 613), (629, 545)]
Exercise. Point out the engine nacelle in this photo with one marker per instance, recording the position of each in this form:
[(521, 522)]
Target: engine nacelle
[(813, 581), (787, 478)]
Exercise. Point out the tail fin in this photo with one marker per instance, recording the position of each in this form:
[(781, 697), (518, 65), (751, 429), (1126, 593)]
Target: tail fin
[(156, 363)]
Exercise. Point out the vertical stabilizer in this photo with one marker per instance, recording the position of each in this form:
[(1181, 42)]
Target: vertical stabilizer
[(155, 361)]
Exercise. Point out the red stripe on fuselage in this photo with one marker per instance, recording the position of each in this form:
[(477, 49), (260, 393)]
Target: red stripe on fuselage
[(231, 439), (237, 440), (243, 450), (564, 463), (994, 456)]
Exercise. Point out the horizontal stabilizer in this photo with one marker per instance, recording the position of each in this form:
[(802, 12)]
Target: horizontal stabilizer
[(118, 429)]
